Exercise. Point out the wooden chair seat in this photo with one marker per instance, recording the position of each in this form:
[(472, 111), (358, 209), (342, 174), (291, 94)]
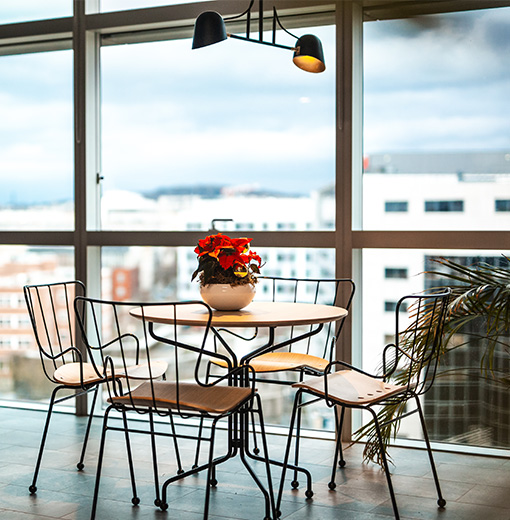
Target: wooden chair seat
[(69, 374), (193, 397), (283, 361), (351, 387), (157, 369)]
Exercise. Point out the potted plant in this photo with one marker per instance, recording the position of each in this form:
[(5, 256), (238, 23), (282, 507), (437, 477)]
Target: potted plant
[(479, 310), (226, 271)]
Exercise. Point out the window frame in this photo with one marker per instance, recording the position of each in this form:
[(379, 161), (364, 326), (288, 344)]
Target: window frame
[(87, 29)]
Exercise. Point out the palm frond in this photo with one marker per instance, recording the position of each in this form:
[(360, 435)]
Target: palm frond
[(481, 296)]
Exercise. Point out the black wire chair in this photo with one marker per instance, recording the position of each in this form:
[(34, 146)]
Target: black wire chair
[(118, 328), (306, 357), (69, 367), (309, 356), (413, 366), (51, 311)]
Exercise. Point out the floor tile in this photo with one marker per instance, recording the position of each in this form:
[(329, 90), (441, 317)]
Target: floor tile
[(475, 487)]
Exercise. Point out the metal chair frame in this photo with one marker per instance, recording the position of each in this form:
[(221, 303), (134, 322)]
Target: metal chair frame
[(343, 289), (333, 331), (55, 350), (149, 400), (57, 340), (421, 361)]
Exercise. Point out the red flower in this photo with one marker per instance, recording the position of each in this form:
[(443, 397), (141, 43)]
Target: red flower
[(232, 255)]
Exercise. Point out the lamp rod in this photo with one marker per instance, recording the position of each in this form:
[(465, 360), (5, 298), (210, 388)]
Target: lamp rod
[(242, 14), (277, 18), (261, 20), (271, 44)]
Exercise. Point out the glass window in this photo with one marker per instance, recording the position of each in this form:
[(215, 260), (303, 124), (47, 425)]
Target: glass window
[(444, 205), (390, 306), (460, 408), (36, 141), (432, 129), (27, 10), (21, 374), (396, 206), (502, 205), (202, 139), (395, 272)]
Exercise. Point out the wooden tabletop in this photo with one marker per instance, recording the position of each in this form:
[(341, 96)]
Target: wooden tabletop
[(257, 314)]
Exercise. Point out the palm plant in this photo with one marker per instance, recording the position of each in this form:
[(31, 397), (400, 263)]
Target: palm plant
[(481, 295)]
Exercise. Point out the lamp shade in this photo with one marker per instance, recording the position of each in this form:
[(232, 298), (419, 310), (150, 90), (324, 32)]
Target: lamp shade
[(309, 55), (209, 29)]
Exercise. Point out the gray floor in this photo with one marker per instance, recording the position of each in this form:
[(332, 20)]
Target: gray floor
[(474, 487)]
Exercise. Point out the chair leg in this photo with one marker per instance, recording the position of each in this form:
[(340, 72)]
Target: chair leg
[(135, 500), (199, 439), (157, 500), (255, 446), (176, 445), (309, 492), (99, 464), (211, 470), (33, 487), (338, 446), (80, 464), (441, 502), (385, 464), (295, 482)]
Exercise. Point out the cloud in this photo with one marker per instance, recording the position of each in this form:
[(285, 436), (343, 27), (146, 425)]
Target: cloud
[(436, 50), (437, 82), (34, 10)]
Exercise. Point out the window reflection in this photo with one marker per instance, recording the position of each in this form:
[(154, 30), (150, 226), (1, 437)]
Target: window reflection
[(21, 374), (464, 405), (433, 132), (201, 140), (36, 142)]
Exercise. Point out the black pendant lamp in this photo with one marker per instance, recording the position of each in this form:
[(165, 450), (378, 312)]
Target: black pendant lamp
[(309, 55), (210, 29)]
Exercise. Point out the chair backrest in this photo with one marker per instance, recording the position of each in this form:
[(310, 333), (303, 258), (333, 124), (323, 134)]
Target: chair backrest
[(418, 346), (327, 291), (123, 334), (52, 315)]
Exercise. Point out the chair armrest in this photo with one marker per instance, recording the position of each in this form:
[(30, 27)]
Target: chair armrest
[(398, 351), (329, 366), (109, 375), (63, 353), (388, 373)]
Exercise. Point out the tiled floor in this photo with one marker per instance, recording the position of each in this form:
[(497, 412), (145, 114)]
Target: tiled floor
[(476, 488)]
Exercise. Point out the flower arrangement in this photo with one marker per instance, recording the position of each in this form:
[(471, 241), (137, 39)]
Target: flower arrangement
[(225, 260)]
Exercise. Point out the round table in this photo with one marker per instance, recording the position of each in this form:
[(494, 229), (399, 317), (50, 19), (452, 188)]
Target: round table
[(257, 314)]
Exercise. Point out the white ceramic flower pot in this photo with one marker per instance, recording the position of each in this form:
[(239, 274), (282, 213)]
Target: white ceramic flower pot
[(225, 297)]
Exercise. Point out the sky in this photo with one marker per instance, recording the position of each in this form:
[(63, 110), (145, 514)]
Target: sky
[(23, 10), (235, 113), (438, 83), (243, 114)]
